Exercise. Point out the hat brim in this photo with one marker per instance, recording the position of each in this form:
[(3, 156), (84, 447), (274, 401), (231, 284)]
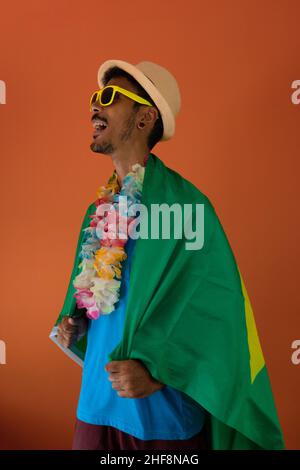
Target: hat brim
[(149, 87)]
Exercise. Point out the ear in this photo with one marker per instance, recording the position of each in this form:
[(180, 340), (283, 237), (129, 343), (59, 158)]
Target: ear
[(150, 115)]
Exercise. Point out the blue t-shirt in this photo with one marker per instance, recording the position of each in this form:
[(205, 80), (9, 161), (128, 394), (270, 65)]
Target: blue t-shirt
[(165, 414)]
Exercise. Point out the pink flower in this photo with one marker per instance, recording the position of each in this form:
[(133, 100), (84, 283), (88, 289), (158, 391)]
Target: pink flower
[(113, 242), (84, 298), (110, 227), (101, 200), (93, 313)]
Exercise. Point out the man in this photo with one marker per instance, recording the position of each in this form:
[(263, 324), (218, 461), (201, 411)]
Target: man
[(132, 131), (150, 397)]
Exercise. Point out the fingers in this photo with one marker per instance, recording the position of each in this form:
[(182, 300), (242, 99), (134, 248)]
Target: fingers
[(117, 386), (77, 324), (65, 331), (68, 331), (69, 325), (65, 339)]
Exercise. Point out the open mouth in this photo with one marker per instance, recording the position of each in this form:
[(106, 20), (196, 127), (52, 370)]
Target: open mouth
[(99, 128), (98, 132)]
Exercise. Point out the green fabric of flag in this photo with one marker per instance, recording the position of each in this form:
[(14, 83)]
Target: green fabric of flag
[(189, 319)]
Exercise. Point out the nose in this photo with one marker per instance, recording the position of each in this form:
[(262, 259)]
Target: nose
[(96, 107)]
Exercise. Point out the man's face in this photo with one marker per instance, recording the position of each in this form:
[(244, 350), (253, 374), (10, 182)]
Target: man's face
[(121, 120)]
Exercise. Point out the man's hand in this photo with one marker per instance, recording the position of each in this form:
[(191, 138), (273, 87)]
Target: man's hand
[(70, 328), (131, 379)]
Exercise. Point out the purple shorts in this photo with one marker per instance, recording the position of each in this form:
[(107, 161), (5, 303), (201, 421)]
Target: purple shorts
[(98, 437)]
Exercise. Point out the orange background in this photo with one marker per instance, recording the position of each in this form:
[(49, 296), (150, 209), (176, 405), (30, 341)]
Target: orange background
[(237, 139)]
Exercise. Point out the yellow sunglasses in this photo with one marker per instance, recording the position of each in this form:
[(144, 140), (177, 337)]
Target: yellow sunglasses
[(106, 96)]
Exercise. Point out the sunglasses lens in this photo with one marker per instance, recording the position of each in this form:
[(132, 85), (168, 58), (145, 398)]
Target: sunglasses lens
[(94, 97), (106, 95)]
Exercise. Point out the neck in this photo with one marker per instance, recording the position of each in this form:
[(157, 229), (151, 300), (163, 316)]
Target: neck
[(124, 163)]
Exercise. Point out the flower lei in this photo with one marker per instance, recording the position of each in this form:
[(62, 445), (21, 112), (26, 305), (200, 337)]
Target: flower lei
[(102, 252)]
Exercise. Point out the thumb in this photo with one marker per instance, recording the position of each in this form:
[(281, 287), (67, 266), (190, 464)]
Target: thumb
[(113, 366), (72, 321)]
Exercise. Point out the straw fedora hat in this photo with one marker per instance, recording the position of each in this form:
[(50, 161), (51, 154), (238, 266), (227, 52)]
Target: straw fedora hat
[(160, 85)]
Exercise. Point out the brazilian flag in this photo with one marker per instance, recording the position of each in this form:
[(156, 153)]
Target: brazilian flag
[(189, 319)]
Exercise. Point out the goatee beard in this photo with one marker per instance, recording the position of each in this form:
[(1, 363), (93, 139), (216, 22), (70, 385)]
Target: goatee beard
[(105, 148)]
